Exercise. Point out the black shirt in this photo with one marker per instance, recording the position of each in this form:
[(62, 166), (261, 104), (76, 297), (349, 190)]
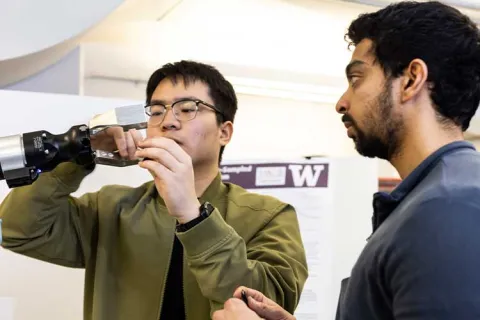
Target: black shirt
[(173, 306)]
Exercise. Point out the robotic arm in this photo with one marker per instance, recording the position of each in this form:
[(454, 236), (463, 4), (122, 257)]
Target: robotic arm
[(24, 156)]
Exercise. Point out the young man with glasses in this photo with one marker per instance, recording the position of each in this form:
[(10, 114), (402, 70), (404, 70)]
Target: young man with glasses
[(176, 247)]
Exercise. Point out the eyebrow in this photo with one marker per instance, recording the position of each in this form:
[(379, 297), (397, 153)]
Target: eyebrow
[(159, 101), (352, 65)]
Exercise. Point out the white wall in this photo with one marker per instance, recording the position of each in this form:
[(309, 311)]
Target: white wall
[(353, 203), (64, 76), (273, 127), (114, 89)]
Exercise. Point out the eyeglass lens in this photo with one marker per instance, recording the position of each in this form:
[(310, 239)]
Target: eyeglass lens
[(182, 111)]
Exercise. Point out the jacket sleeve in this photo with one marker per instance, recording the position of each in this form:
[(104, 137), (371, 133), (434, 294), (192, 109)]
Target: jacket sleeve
[(44, 222), (273, 261)]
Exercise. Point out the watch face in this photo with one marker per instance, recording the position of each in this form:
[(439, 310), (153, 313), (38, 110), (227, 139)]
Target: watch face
[(207, 208)]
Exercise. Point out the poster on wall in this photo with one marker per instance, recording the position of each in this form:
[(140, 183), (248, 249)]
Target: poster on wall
[(306, 185)]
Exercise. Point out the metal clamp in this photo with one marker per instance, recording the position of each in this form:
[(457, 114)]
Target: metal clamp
[(112, 159), (126, 117)]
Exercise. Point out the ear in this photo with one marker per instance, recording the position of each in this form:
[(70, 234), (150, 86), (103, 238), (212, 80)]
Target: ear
[(226, 132), (414, 80)]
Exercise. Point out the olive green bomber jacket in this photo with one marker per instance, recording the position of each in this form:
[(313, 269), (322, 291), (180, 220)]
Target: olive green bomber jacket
[(123, 237)]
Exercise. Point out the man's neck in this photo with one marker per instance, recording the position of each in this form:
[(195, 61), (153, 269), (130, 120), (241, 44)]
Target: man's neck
[(420, 143), (204, 176)]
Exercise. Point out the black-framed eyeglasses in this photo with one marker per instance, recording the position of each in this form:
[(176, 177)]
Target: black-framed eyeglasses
[(183, 110)]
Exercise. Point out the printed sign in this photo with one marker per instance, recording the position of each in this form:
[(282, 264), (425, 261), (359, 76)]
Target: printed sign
[(277, 175)]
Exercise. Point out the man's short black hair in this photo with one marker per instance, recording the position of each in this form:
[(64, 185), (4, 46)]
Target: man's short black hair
[(220, 90), (444, 38)]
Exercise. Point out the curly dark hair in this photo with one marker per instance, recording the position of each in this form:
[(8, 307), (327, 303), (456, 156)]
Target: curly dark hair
[(444, 38), (220, 90)]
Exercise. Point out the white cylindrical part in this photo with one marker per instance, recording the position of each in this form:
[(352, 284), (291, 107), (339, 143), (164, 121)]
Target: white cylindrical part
[(12, 153)]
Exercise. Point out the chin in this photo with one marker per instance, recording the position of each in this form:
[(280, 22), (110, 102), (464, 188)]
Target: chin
[(372, 149)]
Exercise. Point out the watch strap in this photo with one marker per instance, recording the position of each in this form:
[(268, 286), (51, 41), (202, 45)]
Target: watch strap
[(205, 210)]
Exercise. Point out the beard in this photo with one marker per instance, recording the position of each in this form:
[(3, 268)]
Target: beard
[(380, 137)]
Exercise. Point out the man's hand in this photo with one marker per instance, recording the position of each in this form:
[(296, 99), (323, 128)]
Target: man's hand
[(235, 309), (264, 307), (172, 170), (113, 138)]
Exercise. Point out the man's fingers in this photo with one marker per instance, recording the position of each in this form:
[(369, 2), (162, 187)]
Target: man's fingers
[(238, 292), (131, 147), (269, 311), (233, 303), (169, 145), (120, 140), (161, 156), (156, 169), (260, 308), (257, 295), (230, 306), (218, 315), (136, 135)]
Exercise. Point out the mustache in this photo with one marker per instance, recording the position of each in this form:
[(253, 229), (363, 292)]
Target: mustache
[(348, 118)]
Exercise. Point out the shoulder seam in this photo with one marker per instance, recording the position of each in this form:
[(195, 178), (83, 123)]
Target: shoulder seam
[(270, 212)]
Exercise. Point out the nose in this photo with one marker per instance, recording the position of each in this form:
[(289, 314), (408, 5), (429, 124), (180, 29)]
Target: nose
[(343, 104), (169, 121)]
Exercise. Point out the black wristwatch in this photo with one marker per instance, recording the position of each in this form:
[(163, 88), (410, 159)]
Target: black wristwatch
[(205, 210)]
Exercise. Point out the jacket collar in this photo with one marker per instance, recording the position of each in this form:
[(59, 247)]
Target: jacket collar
[(384, 203), (215, 191)]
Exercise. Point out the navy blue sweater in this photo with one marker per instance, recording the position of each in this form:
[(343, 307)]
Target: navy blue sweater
[(422, 260)]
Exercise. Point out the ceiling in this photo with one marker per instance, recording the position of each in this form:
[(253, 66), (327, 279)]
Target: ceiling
[(469, 7), (119, 25)]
